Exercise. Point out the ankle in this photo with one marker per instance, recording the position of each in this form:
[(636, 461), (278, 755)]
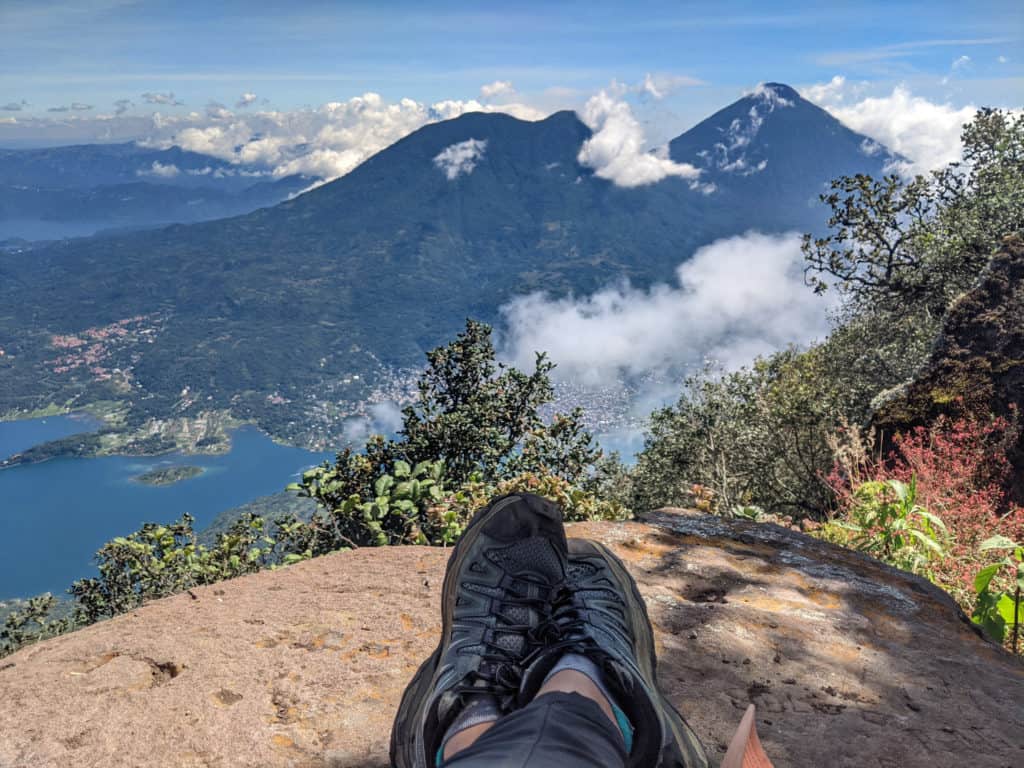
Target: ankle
[(464, 739), (576, 673), (573, 681)]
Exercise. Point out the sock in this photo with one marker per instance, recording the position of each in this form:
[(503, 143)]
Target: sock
[(583, 665), (480, 709)]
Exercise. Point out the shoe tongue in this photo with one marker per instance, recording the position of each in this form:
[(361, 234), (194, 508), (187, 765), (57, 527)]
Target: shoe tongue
[(535, 556)]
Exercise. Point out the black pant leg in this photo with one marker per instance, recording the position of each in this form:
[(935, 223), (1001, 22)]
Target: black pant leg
[(557, 730)]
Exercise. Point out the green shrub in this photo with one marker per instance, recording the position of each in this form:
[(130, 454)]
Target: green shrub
[(577, 503), (999, 611), (31, 623), (884, 520), (396, 513), (161, 560)]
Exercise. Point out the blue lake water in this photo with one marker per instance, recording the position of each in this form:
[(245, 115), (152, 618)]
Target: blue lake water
[(17, 436), (55, 515)]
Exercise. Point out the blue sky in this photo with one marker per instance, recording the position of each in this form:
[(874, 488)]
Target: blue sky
[(305, 53)]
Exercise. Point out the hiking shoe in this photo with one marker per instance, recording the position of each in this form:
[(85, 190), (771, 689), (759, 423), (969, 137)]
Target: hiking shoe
[(497, 590), (600, 614)]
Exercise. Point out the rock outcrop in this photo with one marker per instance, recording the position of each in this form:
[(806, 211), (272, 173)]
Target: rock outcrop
[(977, 364), (849, 662)]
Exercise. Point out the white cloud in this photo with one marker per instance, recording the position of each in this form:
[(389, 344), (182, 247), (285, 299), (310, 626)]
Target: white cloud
[(217, 111), (382, 419), (151, 97), (770, 96), (1003, 60), (833, 91), (735, 299), (122, 105), (14, 106), (960, 62), (327, 142), (660, 85), (168, 171), (616, 150), (925, 132), (460, 158), (497, 88), (245, 100)]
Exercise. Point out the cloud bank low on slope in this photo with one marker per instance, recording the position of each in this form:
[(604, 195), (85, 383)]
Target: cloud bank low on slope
[(737, 298)]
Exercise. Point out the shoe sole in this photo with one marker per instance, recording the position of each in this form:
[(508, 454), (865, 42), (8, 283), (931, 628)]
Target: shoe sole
[(675, 754), (405, 753)]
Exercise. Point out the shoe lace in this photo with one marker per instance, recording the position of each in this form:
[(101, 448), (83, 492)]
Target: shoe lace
[(501, 670), (565, 625)]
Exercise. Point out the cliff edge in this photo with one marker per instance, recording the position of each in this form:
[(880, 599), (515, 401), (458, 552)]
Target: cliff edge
[(850, 662)]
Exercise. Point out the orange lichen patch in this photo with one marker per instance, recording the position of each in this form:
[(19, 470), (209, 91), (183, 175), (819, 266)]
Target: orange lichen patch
[(315, 643), (434, 631), (846, 653), (407, 622), (639, 548), (282, 741), (777, 604), (429, 562)]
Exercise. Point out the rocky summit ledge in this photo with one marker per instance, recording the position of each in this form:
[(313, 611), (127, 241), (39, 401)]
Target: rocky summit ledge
[(850, 663)]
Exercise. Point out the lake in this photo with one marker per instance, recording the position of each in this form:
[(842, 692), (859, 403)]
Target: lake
[(55, 515)]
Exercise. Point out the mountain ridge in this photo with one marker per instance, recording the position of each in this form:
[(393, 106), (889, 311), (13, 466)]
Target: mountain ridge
[(83, 189), (361, 275)]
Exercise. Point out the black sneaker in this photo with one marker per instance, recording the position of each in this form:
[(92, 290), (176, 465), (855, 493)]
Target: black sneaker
[(601, 615), (497, 590)]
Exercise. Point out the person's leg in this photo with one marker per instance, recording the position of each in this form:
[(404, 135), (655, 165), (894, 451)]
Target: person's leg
[(604, 634), (497, 590), (558, 729)]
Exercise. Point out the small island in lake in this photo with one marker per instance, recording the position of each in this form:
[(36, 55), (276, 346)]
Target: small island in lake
[(168, 475)]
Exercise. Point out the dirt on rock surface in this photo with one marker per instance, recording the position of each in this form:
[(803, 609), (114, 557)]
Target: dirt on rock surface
[(849, 662)]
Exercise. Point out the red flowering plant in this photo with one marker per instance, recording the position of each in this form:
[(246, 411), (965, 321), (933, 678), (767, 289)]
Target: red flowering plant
[(959, 468)]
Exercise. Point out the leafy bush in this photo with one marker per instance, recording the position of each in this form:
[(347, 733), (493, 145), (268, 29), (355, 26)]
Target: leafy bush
[(999, 612), (482, 417), (885, 520), (896, 245), (577, 503), (161, 560), (396, 513), (760, 435), (959, 470), (31, 623)]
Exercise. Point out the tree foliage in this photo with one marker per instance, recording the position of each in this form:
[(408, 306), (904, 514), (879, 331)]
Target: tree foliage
[(915, 245), (476, 421)]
